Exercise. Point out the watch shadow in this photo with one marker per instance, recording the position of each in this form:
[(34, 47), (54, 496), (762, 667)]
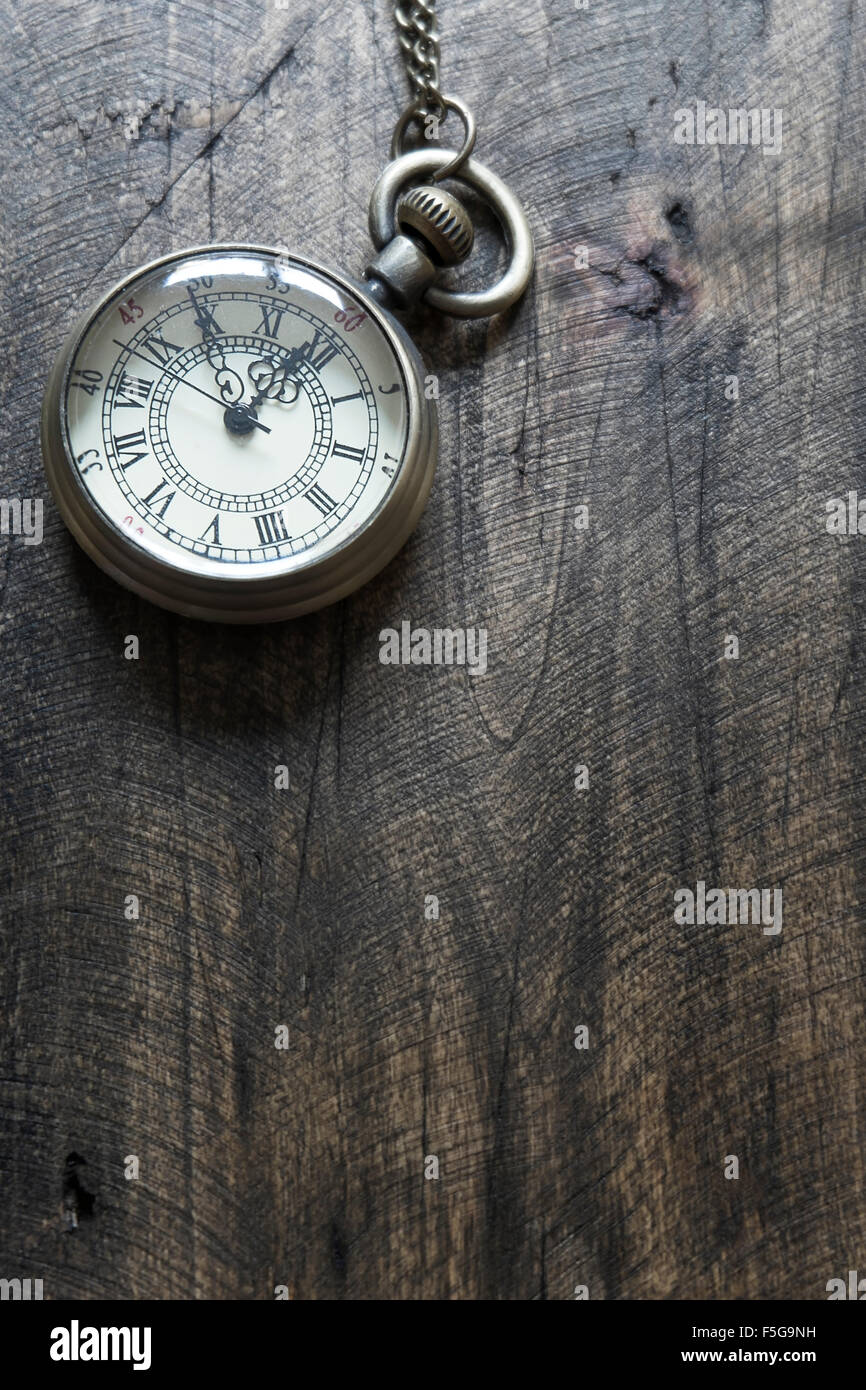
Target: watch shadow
[(227, 682)]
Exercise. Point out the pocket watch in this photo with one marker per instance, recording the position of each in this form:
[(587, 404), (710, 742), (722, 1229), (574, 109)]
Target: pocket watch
[(239, 434)]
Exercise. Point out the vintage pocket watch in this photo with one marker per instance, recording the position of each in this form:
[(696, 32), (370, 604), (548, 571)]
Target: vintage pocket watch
[(239, 434)]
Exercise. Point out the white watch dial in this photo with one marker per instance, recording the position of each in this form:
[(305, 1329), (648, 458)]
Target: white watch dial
[(235, 414)]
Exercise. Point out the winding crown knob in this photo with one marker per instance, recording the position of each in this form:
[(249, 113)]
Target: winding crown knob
[(440, 220)]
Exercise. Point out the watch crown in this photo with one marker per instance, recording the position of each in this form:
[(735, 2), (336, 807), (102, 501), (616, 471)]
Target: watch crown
[(440, 220)]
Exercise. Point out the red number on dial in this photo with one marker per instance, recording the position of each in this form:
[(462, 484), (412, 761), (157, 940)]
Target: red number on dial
[(130, 311)]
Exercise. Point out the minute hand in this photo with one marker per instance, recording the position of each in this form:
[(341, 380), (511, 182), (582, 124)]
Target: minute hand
[(210, 338), (186, 382)]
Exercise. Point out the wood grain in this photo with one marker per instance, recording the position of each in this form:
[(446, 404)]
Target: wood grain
[(129, 129)]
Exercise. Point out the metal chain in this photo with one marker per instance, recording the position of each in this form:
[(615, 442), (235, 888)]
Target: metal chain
[(396, 270), (418, 33)]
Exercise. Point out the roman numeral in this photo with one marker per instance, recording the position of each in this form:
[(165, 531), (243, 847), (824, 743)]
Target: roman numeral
[(127, 444), (319, 352), (130, 387), (321, 500), (348, 451), (214, 529), (162, 349), (271, 320), (271, 527), (205, 321), (355, 396), (160, 511), (204, 318)]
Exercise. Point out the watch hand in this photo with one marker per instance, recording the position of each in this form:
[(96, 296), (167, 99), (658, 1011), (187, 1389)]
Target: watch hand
[(272, 371), (231, 387), (239, 409)]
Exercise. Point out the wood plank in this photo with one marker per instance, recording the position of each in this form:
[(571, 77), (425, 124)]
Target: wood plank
[(129, 130)]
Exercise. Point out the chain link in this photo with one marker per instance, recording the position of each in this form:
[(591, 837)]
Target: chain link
[(418, 34)]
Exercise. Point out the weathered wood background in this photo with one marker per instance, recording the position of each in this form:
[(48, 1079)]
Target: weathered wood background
[(132, 127)]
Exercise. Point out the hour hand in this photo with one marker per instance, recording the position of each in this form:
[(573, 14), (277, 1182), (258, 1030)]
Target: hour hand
[(273, 380)]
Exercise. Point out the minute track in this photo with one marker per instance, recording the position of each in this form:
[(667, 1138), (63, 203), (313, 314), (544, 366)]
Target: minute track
[(304, 471)]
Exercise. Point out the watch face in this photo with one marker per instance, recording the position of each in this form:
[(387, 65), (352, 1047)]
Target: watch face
[(236, 415)]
